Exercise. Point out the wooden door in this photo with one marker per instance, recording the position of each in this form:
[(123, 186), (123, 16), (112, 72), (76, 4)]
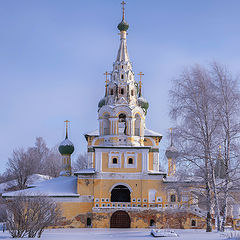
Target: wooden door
[(120, 219)]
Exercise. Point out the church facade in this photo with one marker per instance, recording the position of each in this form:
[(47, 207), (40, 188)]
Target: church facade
[(123, 185)]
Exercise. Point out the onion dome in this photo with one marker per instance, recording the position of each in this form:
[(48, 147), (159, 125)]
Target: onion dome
[(66, 147), (171, 152), (143, 103), (123, 26), (101, 103)]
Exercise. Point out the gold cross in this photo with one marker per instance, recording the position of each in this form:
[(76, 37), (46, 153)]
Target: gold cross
[(107, 81), (140, 74), (67, 127), (140, 82), (123, 3), (171, 130)]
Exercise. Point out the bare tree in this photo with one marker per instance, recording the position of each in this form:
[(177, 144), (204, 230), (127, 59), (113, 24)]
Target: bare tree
[(206, 105), (194, 109), (228, 110), (38, 159), (52, 165), (81, 162), (20, 166), (28, 217)]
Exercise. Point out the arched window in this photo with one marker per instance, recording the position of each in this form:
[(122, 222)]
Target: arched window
[(122, 124), (122, 76), (173, 198), (132, 93), (111, 92), (120, 194), (122, 91), (130, 161), (193, 223), (137, 125), (106, 124), (89, 222), (152, 223), (114, 161), (122, 66)]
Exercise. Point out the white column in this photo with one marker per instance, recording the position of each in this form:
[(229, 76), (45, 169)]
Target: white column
[(98, 160), (145, 160), (90, 159), (156, 161)]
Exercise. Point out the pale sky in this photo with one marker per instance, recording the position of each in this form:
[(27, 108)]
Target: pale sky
[(53, 54)]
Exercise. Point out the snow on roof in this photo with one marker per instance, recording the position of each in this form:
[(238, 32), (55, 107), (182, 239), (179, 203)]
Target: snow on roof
[(147, 132), (56, 187), (32, 181), (180, 179), (85, 171)]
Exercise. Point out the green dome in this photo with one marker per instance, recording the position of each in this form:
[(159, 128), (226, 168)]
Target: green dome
[(123, 26), (66, 147), (171, 152), (143, 103), (101, 103)]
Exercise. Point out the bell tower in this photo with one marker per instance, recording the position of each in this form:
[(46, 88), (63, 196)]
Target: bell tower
[(122, 111)]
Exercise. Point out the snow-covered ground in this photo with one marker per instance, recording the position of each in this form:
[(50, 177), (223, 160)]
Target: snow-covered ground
[(119, 234)]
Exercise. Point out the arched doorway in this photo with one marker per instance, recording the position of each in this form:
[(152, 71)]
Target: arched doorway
[(120, 193), (120, 219)]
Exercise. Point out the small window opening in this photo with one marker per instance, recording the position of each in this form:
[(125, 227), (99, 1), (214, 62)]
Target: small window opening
[(122, 66), (114, 160), (173, 198), (122, 91), (89, 222), (193, 223), (111, 92), (122, 76), (152, 223), (132, 92), (130, 161)]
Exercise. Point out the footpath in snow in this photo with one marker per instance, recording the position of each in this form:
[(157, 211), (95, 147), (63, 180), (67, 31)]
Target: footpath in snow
[(119, 234)]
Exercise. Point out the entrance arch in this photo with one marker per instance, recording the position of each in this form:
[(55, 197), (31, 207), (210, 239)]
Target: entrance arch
[(120, 219), (120, 193)]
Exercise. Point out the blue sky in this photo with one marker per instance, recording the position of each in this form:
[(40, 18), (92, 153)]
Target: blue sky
[(53, 54)]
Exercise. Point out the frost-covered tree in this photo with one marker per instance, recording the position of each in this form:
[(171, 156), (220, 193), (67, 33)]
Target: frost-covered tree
[(28, 217), (205, 105), (81, 162), (38, 159), (228, 110)]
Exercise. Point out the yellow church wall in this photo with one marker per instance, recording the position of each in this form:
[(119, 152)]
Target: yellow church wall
[(75, 213), (105, 159), (147, 142), (141, 219), (85, 186), (98, 141), (150, 162)]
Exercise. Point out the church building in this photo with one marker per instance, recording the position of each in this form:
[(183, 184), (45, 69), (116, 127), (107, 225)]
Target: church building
[(123, 185)]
